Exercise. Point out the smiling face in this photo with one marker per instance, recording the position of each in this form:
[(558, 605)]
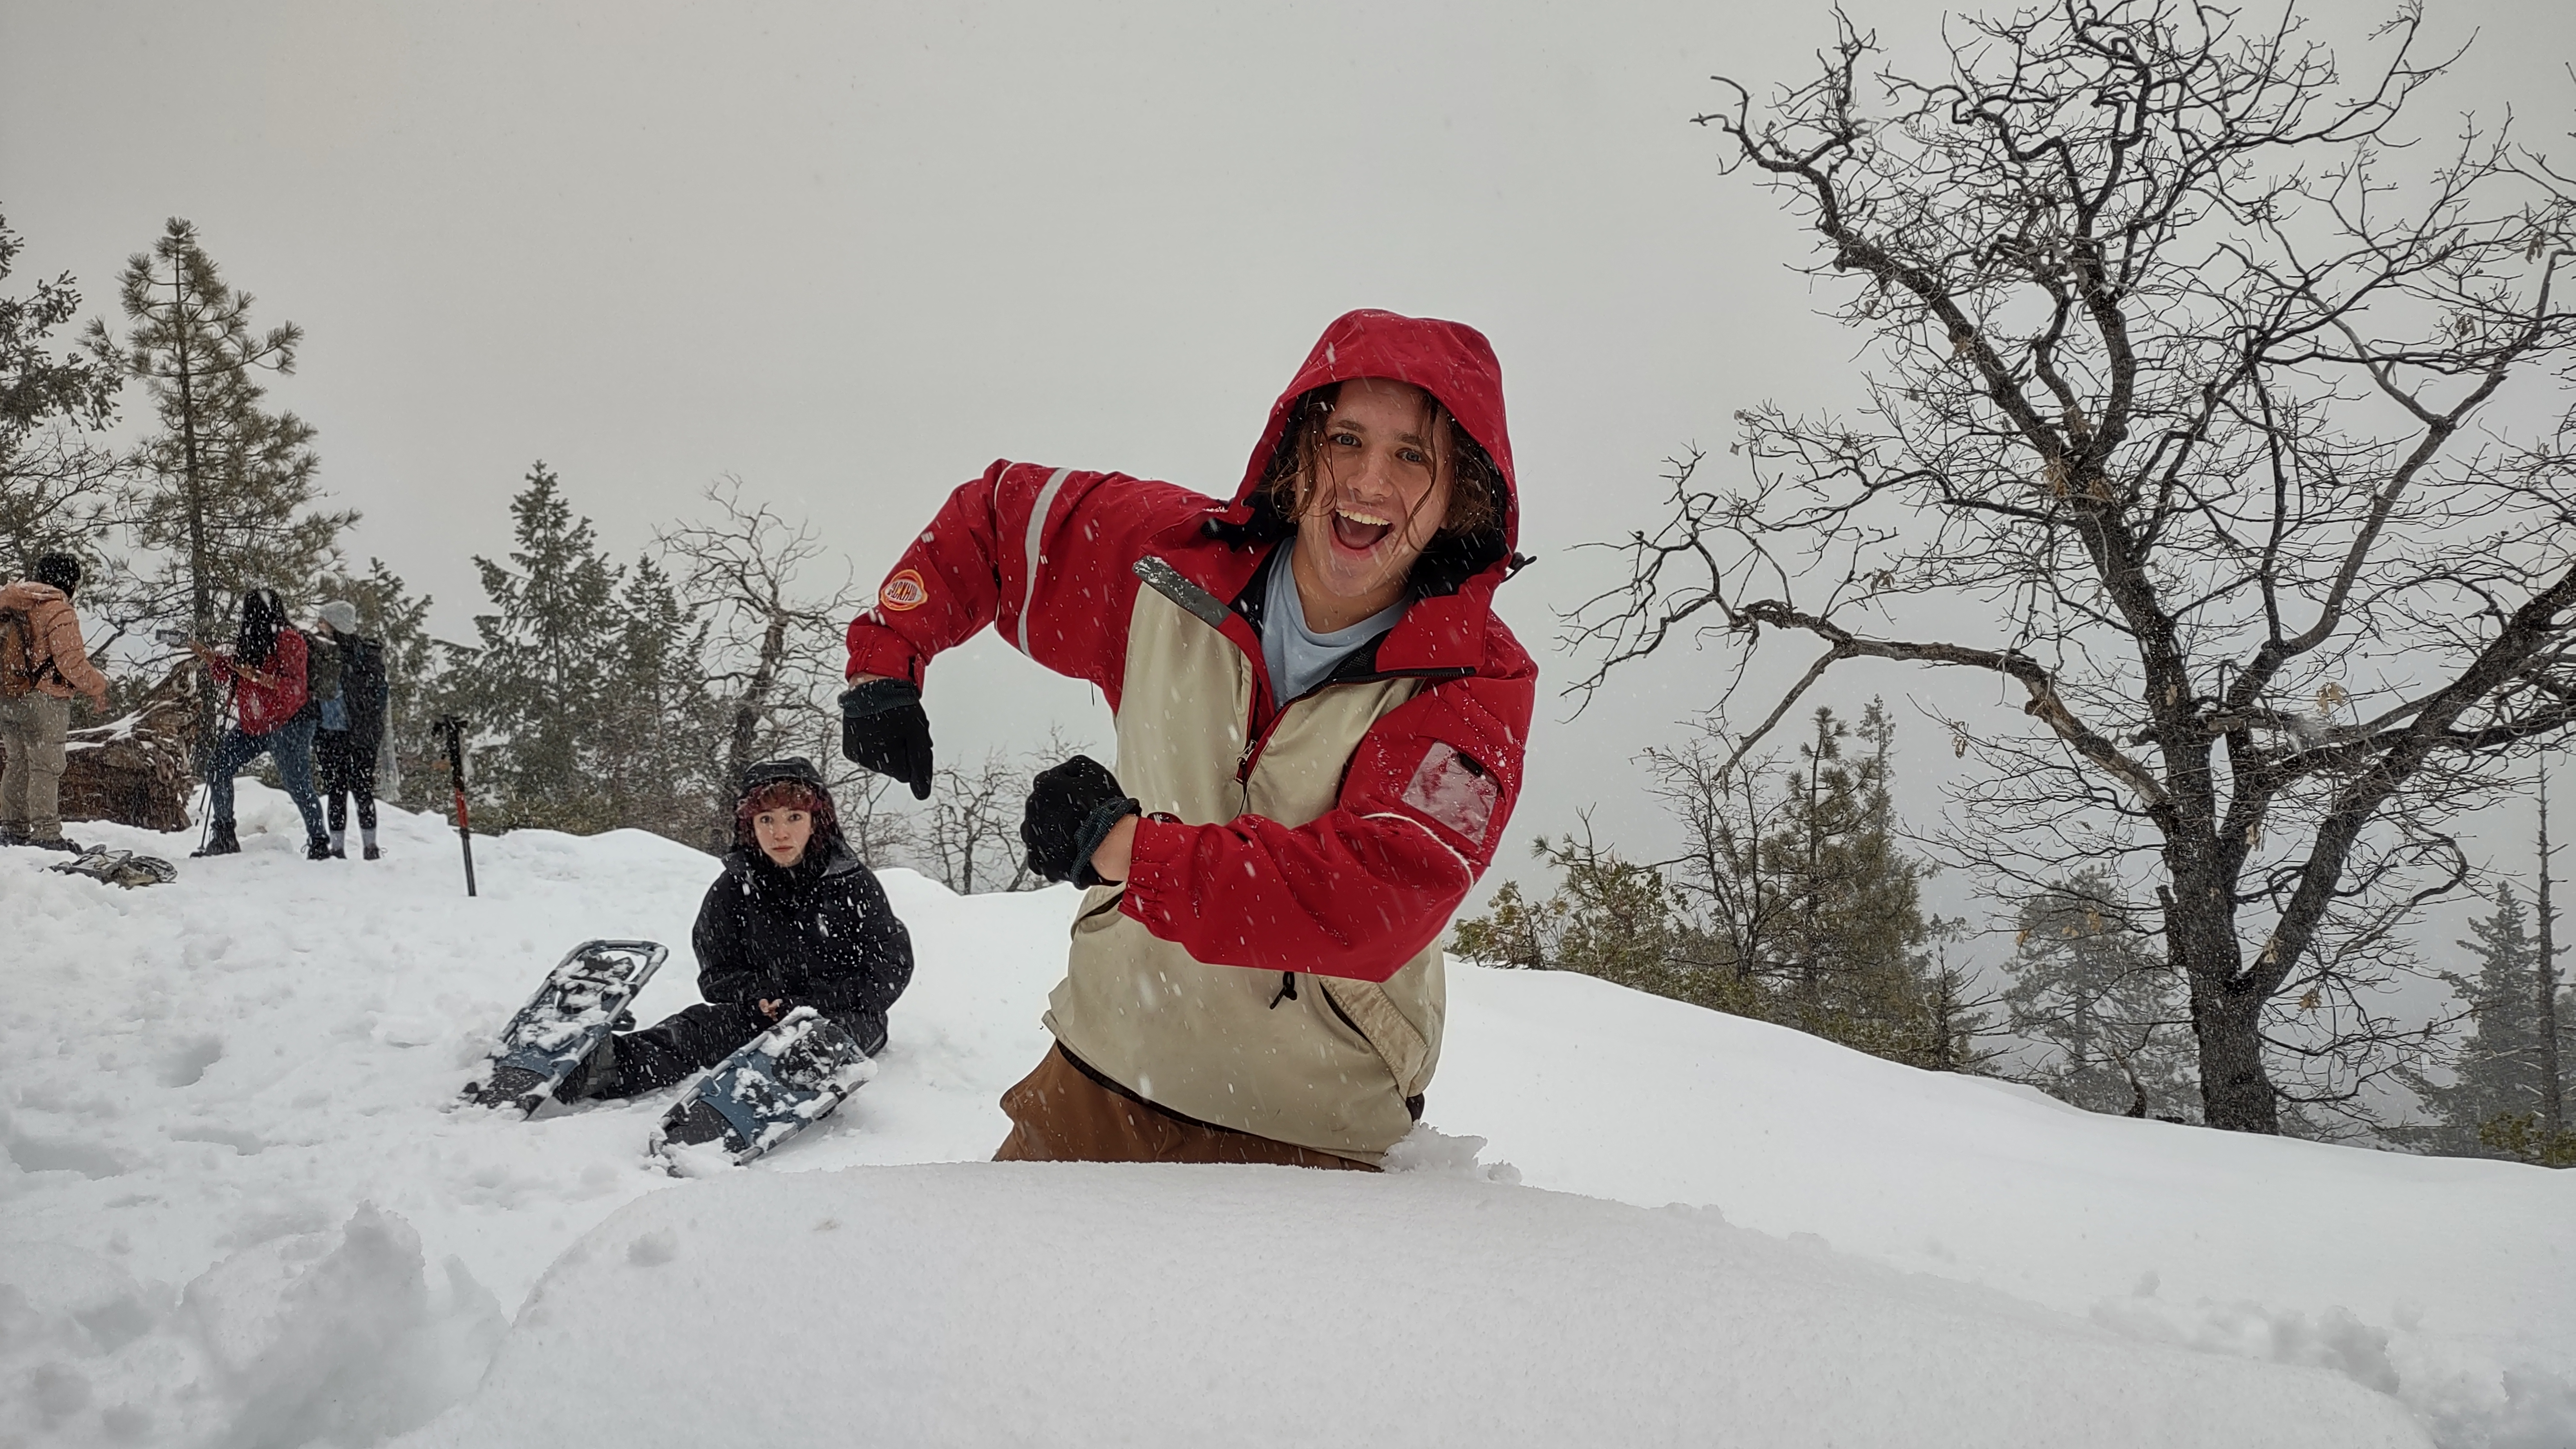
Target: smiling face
[(1380, 490), (782, 834)]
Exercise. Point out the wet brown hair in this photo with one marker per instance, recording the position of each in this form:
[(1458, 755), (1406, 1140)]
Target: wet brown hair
[(1477, 493), (786, 795)]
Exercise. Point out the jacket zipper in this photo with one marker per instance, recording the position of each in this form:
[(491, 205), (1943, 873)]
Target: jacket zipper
[(1252, 752)]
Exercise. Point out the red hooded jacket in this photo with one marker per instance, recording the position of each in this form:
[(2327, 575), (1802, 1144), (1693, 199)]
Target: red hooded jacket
[(1046, 556), (269, 694)]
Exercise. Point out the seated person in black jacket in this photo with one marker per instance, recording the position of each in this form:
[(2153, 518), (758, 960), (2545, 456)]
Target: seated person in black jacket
[(795, 920)]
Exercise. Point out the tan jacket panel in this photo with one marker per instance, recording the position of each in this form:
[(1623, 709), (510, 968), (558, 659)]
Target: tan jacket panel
[(58, 638), (1222, 1043)]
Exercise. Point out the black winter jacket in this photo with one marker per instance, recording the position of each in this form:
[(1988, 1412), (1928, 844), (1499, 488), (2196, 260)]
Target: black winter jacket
[(351, 669), (362, 687), (818, 933)]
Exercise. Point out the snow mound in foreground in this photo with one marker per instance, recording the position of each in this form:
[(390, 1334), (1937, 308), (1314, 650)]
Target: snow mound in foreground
[(999, 1304), (237, 1206), (337, 1337)]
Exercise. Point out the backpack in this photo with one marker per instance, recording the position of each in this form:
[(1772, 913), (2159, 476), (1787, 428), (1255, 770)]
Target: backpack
[(19, 670), (362, 686)]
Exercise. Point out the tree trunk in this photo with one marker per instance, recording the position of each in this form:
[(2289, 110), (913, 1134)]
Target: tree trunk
[(748, 711), (2553, 1106), (201, 598), (2236, 1093)]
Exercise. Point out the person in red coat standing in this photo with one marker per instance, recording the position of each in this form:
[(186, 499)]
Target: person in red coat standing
[(1320, 725), (274, 714)]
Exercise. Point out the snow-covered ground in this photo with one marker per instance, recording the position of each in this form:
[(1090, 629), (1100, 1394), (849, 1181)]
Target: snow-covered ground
[(239, 1210)]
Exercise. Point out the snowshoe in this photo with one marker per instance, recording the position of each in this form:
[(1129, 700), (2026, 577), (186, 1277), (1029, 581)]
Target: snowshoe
[(554, 1035), (119, 867), (781, 1082)]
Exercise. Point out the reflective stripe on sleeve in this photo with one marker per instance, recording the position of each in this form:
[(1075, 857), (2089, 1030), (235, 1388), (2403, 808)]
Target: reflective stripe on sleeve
[(1037, 526)]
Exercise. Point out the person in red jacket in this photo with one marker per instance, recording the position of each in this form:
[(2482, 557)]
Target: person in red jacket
[(1320, 725), (266, 673)]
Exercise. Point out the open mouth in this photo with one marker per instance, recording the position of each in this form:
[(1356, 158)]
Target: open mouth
[(1359, 531)]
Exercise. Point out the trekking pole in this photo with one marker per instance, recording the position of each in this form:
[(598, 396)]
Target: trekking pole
[(449, 730)]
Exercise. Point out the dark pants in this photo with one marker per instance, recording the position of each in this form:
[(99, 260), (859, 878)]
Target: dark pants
[(291, 745), (705, 1034), (348, 768)]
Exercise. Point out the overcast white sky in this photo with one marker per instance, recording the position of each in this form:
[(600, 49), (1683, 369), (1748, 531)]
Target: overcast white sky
[(853, 253)]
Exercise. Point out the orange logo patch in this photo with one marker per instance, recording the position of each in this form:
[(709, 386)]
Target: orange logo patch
[(904, 591)]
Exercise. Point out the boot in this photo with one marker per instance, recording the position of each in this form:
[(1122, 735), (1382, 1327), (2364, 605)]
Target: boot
[(339, 845), (597, 1075), (372, 853), (54, 842), (13, 832), (219, 841), (368, 833), (319, 848)]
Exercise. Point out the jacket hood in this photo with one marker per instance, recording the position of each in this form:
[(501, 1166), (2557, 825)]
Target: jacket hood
[(789, 767), (1449, 360), (793, 769), (27, 594)]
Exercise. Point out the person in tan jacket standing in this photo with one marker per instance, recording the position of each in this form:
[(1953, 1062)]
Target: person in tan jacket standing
[(42, 665)]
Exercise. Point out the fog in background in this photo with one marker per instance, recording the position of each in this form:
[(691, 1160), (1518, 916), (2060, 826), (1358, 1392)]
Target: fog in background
[(852, 254)]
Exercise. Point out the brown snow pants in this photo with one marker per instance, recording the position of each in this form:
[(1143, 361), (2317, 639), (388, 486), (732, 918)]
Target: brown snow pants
[(1065, 1112)]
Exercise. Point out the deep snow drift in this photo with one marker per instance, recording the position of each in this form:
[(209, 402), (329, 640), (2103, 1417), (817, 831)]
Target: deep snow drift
[(1159, 1305), (239, 1210)]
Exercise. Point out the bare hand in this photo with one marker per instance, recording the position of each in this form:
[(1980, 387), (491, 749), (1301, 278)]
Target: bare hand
[(1115, 855), (770, 1008)]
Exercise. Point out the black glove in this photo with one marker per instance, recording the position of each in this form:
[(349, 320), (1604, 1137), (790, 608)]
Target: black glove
[(884, 729), (1072, 808)]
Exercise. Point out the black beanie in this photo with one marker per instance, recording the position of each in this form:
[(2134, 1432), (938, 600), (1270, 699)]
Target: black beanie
[(60, 570)]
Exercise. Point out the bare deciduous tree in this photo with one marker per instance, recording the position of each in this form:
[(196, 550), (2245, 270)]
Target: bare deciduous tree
[(971, 832), (970, 835), (772, 640), (873, 819), (2191, 416)]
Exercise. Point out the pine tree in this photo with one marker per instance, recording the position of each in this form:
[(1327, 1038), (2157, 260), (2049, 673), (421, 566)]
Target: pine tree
[(58, 488), (1610, 918), (537, 688), (228, 483), (1793, 903), (2101, 1005), (657, 737), (1851, 949), (2496, 1069)]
